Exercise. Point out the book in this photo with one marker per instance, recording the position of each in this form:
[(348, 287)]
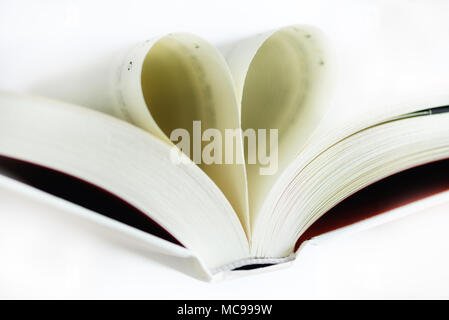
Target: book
[(225, 159)]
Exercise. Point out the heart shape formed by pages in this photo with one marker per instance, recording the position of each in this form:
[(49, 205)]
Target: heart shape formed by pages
[(279, 80)]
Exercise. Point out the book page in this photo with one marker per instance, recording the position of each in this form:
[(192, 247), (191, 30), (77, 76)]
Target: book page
[(128, 163), (178, 87), (284, 79), (364, 94)]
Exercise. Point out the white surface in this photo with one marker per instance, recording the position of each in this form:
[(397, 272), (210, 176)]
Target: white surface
[(386, 49), (48, 252), (45, 42)]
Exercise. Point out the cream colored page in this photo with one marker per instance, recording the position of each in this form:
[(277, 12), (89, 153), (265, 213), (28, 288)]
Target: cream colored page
[(284, 80), (129, 163), (378, 79), (168, 83), (366, 92), (164, 84)]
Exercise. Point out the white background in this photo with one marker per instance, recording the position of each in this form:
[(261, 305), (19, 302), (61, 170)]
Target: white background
[(48, 252), (48, 42)]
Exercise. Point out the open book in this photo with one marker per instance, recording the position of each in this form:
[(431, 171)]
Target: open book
[(226, 158)]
